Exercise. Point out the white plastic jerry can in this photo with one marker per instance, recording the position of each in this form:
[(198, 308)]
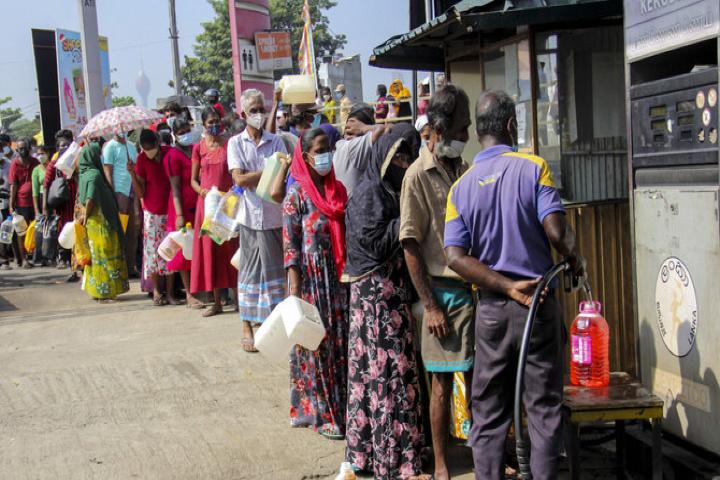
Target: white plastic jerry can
[(302, 321), (271, 339)]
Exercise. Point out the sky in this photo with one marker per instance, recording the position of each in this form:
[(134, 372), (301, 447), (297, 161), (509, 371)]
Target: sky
[(138, 38)]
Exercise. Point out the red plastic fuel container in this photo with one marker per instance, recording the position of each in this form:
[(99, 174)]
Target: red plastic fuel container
[(590, 347)]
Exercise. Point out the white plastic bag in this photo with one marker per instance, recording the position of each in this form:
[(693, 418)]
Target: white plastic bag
[(66, 162), (223, 226), (235, 260), (66, 239)]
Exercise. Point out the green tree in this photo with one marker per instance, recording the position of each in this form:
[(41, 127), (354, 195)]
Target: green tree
[(123, 101), (12, 121), (211, 66), (25, 128), (287, 15), (8, 115)]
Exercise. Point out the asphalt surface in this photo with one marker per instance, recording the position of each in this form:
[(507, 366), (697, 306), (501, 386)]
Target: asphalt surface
[(128, 390)]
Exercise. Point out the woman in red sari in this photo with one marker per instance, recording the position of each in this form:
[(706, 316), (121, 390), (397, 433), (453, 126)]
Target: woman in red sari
[(210, 269), (183, 199)]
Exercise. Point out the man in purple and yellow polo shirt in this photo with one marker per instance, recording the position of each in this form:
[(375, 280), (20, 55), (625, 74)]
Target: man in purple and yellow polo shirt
[(502, 217)]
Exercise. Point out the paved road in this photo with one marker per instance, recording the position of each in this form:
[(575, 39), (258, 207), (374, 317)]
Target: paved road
[(134, 391)]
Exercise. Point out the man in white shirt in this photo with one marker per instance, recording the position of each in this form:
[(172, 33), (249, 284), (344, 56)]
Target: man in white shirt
[(261, 279)]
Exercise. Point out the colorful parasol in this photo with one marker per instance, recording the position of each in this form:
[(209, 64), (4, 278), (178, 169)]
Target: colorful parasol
[(119, 120)]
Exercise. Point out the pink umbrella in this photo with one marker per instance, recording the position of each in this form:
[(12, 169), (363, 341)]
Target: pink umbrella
[(115, 121)]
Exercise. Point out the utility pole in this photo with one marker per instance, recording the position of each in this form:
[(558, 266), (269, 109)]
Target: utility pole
[(177, 74), (91, 58), (429, 15)]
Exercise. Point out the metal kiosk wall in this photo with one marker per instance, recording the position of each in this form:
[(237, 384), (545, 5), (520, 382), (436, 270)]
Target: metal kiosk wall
[(671, 51)]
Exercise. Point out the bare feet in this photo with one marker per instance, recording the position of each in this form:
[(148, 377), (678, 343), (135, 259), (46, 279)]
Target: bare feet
[(441, 474), (175, 301)]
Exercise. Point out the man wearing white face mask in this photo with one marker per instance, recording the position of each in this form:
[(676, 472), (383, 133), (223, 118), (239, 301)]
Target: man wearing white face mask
[(447, 326), (261, 279)]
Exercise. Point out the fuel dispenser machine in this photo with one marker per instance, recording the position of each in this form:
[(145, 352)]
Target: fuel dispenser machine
[(672, 75)]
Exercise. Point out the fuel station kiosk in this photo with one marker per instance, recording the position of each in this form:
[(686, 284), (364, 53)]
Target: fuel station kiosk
[(672, 48)]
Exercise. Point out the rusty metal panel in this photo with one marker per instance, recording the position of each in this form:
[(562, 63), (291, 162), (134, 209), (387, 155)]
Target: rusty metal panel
[(603, 238), (595, 171)]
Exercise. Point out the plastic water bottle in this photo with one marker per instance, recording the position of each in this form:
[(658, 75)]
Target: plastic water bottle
[(19, 224), (212, 200), (6, 231), (590, 347)]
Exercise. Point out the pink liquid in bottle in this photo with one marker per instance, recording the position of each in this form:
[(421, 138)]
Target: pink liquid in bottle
[(590, 347)]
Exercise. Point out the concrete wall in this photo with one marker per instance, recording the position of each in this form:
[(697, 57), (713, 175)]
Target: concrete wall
[(347, 71), (467, 75)]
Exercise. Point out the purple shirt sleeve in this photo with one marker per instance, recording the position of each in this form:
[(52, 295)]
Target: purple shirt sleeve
[(548, 201), (456, 232)]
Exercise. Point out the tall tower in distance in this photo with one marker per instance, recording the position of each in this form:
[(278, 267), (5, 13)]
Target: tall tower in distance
[(142, 86)]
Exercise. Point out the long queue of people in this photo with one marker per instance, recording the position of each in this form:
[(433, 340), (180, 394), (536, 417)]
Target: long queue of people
[(367, 226), (383, 219)]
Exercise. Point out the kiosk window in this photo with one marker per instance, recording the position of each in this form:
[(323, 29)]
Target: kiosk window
[(508, 68), (580, 102)]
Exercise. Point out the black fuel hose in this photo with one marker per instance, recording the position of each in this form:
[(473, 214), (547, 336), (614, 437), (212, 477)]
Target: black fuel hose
[(522, 447)]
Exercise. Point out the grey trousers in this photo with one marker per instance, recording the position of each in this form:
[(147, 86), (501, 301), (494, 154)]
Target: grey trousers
[(498, 333)]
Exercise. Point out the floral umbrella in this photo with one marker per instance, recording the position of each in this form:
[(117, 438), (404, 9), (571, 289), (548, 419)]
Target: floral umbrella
[(115, 121)]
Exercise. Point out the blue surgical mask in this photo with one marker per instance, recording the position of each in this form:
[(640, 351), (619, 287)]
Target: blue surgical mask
[(170, 121), (423, 142), (214, 130), (323, 163), (316, 120), (189, 138)]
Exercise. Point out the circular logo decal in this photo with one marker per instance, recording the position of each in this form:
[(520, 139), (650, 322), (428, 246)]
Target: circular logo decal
[(706, 117), (676, 306), (712, 97), (700, 99)]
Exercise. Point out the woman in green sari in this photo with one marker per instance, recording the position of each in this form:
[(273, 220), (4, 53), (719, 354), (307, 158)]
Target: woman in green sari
[(106, 276)]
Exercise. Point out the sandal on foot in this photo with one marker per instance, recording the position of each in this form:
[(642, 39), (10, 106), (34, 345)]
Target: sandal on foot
[(160, 301), (249, 345), (330, 432), (212, 311)]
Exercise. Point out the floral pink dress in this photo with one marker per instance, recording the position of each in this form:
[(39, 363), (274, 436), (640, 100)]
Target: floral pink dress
[(383, 432), (318, 380)]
